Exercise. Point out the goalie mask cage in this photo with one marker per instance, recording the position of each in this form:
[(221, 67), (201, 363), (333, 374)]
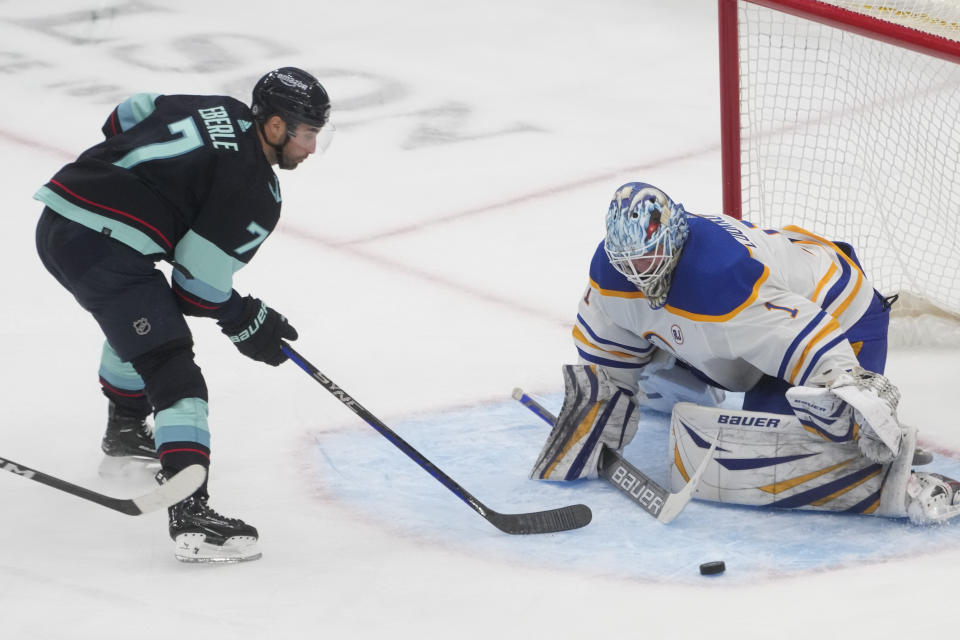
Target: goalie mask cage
[(843, 118)]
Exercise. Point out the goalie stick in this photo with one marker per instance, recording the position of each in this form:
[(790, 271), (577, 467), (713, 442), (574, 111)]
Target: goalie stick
[(550, 521), (652, 498), (177, 488)]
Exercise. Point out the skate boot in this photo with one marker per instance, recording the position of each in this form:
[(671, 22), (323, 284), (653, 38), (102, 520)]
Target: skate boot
[(201, 534), (127, 435), (128, 446), (932, 498)]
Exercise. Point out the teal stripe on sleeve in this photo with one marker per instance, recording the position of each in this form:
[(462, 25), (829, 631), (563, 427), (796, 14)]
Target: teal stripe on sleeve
[(118, 231), (207, 263), (200, 288), (135, 109)]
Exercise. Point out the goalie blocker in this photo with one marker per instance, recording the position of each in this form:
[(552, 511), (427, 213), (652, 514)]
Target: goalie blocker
[(773, 460)]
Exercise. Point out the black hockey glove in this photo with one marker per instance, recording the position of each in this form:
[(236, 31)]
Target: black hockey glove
[(258, 332)]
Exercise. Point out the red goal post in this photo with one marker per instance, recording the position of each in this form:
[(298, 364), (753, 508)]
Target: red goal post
[(843, 117)]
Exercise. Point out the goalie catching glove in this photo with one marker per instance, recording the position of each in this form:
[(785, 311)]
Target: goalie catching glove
[(259, 332), (595, 413), (856, 405)]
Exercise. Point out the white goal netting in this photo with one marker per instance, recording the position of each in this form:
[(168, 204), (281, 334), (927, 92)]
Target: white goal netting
[(858, 139)]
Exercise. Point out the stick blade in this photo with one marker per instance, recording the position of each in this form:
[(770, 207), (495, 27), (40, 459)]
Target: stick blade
[(179, 487), (566, 518)]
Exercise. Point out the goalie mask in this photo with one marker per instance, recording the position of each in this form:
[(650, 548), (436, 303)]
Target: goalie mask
[(645, 235)]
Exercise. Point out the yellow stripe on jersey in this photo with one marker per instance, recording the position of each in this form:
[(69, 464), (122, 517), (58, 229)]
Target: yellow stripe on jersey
[(579, 337), (615, 293), (660, 341), (830, 327), (853, 294), (823, 282), (843, 256)]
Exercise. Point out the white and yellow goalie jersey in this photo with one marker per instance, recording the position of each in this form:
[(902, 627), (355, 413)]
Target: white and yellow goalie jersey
[(744, 302)]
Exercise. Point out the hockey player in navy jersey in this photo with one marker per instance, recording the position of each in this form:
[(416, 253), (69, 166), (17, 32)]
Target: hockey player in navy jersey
[(682, 308), (186, 179)]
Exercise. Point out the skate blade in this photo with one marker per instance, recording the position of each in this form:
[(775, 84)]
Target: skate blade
[(939, 515), (194, 548), (126, 466)]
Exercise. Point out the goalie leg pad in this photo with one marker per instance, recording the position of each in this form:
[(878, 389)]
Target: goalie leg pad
[(767, 459), (595, 413)]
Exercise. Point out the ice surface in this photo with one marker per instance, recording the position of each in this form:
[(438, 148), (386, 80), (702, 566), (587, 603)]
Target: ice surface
[(432, 261)]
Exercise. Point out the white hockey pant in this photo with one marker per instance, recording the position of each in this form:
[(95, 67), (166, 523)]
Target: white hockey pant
[(663, 383)]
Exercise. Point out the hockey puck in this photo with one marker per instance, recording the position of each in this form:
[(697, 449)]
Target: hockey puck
[(712, 568)]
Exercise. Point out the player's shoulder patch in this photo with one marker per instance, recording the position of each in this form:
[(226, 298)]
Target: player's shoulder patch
[(607, 280), (716, 276)]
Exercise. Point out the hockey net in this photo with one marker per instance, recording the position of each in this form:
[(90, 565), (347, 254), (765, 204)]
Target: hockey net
[(843, 117)]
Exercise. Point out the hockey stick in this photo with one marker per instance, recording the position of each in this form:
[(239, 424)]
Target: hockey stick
[(560, 519), (180, 486), (654, 499)]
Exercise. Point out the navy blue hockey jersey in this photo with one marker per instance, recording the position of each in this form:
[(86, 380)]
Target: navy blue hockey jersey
[(181, 178)]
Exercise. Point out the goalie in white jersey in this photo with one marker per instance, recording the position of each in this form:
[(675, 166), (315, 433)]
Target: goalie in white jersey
[(683, 307)]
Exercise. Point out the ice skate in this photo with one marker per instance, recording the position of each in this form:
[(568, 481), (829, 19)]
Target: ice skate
[(932, 498), (127, 444), (127, 435), (200, 534)]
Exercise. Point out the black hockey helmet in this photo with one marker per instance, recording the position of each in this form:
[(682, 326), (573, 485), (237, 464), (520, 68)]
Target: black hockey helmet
[(294, 95)]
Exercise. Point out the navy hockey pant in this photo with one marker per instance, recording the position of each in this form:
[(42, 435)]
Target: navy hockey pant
[(148, 340)]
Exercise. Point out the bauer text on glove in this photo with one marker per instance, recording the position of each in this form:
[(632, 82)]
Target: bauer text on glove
[(259, 332)]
